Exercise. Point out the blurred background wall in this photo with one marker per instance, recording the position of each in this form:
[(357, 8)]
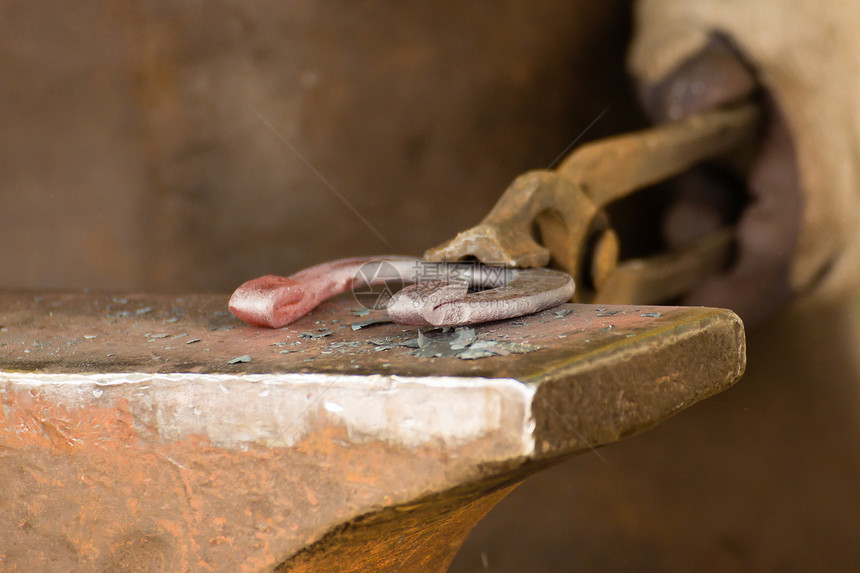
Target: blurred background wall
[(135, 151)]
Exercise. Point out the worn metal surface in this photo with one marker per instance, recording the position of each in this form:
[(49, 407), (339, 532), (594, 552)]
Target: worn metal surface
[(575, 234), (156, 432)]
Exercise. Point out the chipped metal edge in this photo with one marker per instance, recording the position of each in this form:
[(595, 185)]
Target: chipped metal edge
[(235, 411)]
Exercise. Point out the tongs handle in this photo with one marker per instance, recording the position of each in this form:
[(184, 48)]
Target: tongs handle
[(611, 168)]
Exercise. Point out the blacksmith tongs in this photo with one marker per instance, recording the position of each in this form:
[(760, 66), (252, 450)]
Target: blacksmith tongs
[(567, 205)]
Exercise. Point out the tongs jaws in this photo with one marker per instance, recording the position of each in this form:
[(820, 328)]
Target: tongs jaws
[(566, 207)]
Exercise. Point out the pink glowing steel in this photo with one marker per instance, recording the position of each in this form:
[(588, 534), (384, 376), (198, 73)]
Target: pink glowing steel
[(275, 301)]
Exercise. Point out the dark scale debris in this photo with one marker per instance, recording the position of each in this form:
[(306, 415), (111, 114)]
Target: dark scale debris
[(369, 322), (463, 343), (316, 335)]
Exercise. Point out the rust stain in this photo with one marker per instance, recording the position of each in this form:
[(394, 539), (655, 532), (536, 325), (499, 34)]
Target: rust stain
[(423, 538), (186, 502)]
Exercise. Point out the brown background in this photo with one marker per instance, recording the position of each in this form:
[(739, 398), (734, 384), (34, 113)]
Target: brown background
[(133, 154)]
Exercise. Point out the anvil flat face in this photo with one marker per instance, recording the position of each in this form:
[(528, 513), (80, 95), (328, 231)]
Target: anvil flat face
[(142, 430)]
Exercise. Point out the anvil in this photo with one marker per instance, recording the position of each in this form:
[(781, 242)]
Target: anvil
[(143, 432)]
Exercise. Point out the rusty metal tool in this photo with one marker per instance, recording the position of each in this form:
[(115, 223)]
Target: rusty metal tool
[(567, 206), (439, 297), (133, 440)]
